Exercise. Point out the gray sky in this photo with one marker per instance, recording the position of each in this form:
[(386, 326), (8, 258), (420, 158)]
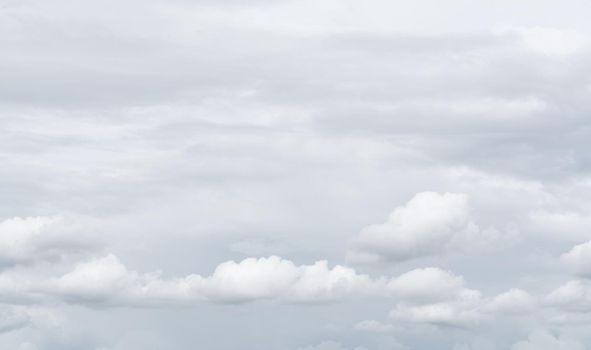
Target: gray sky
[(295, 175)]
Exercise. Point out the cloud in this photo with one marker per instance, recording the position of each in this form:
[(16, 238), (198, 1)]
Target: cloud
[(429, 283), (13, 318), (547, 41), (514, 301), (462, 312), (579, 259), (284, 127), (573, 296), (543, 340), (429, 224), (33, 239), (432, 296), (27, 346), (330, 345), (561, 225), (443, 300), (373, 326), (107, 281)]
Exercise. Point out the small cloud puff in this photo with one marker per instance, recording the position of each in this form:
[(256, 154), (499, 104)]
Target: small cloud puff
[(427, 225)]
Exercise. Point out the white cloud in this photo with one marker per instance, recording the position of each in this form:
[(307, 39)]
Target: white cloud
[(463, 311), (428, 224), (458, 306), (579, 259), (573, 296), (106, 280), (31, 239), (514, 301), (436, 297), (543, 340)]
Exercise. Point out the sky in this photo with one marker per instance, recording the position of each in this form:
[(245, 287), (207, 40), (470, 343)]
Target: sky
[(295, 175)]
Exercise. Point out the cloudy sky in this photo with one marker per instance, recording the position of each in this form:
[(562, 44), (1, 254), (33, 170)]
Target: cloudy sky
[(295, 175)]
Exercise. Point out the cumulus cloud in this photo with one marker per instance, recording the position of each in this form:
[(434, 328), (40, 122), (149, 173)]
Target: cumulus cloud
[(435, 297), (579, 259), (432, 296), (428, 296), (428, 224), (106, 280), (32, 239), (462, 312)]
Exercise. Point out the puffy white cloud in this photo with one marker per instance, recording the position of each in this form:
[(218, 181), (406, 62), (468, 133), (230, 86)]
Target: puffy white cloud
[(436, 297), (31, 239), (440, 298), (270, 277), (106, 280), (428, 224), (579, 259), (463, 312), (543, 340)]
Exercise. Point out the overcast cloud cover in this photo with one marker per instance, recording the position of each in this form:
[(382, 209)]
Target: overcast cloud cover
[(295, 175)]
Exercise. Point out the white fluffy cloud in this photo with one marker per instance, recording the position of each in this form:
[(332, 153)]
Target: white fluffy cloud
[(579, 259), (436, 297), (106, 280), (429, 296), (31, 239), (428, 224), (463, 311)]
